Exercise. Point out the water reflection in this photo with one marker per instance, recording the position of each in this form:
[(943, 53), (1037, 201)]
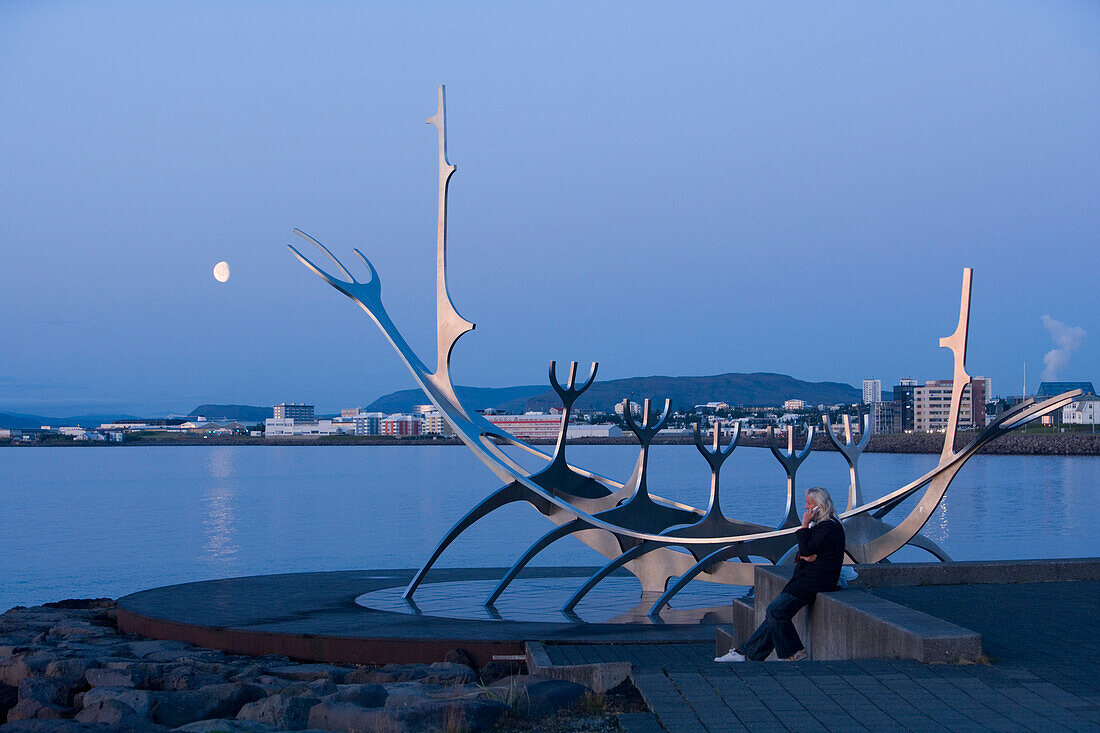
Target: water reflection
[(219, 516)]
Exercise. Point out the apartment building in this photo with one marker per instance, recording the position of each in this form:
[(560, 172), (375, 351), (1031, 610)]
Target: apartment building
[(932, 404)]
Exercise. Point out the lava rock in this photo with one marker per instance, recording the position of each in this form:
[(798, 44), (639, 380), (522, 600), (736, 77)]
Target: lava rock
[(225, 725), (439, 715), (285, 712), (532, 696), (28, 709), (460, 656), (47, 690), (119, 715), (316, 688), (213, 701), (19, 667), (8, 696), (142, 648), (309, 672), (367, 695), (140, 701), (57, 726), (187, 677), (499, 669), (72, 671)]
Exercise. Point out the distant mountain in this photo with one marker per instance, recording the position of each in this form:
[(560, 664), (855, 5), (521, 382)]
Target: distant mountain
[(759, 389), (476, 398), (243, 413), (24, 422)]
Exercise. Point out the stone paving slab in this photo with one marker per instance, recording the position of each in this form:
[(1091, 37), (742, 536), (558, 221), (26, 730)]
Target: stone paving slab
[(1038, 681)]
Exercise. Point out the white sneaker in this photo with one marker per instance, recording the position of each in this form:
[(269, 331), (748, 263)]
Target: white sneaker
[(731, 656)]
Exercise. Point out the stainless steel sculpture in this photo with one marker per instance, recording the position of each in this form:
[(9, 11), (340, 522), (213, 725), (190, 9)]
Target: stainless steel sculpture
[(656, 539)]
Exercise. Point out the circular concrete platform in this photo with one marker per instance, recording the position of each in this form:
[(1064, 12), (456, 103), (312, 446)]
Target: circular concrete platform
[(314, 616)]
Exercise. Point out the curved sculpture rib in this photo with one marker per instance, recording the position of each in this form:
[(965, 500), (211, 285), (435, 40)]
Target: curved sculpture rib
[(790, 460)]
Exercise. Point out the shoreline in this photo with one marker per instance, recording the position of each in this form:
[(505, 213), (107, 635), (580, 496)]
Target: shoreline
[(66, 666), (1021, 444)]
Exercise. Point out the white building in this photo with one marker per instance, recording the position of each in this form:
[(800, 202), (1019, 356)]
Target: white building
[(532, 425), (932, 405), (1085, 410), (435, 424), (794, 405), (635, 408), (872, 391), (602, 430), (367, 423), (288, 427), (402, 426), (293, 411)]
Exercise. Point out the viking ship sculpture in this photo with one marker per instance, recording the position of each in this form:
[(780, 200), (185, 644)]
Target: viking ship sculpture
[(665, 544)]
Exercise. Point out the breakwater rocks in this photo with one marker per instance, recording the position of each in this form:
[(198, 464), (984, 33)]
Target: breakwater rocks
[(65, 667)]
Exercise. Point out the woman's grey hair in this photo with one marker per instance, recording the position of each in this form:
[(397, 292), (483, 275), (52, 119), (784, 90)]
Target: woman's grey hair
[(821, 498)]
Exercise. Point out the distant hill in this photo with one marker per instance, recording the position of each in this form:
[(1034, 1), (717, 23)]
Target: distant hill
[(476, 398), (24, 422), (243, 413), (759, 389)]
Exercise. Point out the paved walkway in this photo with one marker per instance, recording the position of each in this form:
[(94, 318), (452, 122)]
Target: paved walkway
[(1044, 675)]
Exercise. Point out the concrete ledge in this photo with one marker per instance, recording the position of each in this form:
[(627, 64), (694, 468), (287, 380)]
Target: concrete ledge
[(600, 676), (970, 573), (743, 623), (852, 624)]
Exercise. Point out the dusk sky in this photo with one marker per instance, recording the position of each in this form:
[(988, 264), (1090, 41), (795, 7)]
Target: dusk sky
[(673, 188)]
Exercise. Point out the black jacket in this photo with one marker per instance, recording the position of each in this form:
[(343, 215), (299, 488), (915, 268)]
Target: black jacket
[(826, 540)]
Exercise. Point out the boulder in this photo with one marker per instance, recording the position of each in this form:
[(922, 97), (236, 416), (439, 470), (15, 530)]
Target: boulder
[(118, 715), (431, 716), (187, 677), (532, 696), (71, 670), (284, 712), (316, 688), (438, 673), (226, 725), (57, 726), (18, 667), (248, 673), (106, 677), (460, 656), (47, 690), (28, 709), (499, 669), (213, 701), (309, 672), (141, 649), (367, 695), (8, 696), (140, 701)]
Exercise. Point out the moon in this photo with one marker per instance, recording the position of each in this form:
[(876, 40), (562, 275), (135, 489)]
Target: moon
[(221, 271)]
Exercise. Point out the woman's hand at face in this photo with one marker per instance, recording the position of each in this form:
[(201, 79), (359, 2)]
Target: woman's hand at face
[(808, 515)]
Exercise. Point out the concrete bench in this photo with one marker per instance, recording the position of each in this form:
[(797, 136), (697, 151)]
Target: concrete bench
[(854, 624)]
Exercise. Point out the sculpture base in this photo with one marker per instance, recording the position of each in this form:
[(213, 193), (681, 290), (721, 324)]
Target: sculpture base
[(315, 616)]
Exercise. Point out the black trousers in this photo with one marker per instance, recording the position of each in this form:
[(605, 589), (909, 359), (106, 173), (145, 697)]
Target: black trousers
[(777, 632)]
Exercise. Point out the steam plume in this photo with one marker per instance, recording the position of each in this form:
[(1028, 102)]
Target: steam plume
[(1068, 340)]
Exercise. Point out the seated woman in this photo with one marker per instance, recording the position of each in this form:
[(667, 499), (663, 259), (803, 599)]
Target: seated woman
[(817, 569)]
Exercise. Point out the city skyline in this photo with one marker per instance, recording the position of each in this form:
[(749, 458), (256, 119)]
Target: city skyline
[(794, 190)]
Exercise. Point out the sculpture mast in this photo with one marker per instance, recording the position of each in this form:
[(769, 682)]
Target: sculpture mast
[(449, 324)]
